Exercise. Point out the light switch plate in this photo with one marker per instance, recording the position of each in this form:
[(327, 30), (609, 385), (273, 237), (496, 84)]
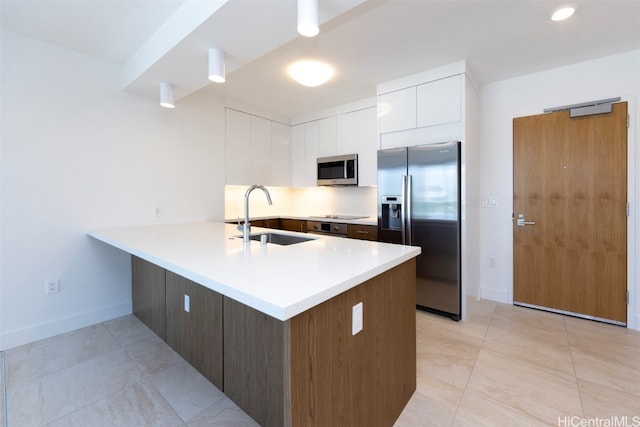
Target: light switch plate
[(187, 303), (356, 316)]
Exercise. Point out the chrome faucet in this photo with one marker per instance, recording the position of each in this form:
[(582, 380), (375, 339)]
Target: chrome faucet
[(246, 227)]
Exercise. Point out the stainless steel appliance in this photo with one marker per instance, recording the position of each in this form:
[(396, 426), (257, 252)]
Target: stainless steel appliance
[(332, 228), (338, 170), (419, 205)]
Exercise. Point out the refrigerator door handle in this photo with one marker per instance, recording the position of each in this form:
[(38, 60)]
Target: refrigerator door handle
[(406, 210), (403, 211), (408, 240)]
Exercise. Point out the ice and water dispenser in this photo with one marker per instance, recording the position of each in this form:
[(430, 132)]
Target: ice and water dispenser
[(391, 212)]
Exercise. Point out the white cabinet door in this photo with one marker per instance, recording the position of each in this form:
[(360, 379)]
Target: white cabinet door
[(260, 151), (298, 156), (238, 147), (280, 155), (440, 101), (327, 137), (347, 133), (311, 138), (397, 110), (367, 135)]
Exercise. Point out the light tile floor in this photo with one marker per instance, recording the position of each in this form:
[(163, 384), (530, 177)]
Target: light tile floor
[(506, 366)]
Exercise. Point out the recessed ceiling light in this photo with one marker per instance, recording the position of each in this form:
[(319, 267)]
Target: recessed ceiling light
[(563, 13), (310, 72)]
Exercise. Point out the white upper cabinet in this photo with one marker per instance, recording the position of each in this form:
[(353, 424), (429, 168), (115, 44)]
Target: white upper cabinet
[(424, 108), (311, 141), (238, 147), (280, 155), (367, 137), (439, 102), (327, 137), (298, 156), (258, 150), (354, 132), (397, 110), (304, 153), (347, 133)]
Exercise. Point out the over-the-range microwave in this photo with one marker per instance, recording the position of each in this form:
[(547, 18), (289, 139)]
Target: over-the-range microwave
[(338, 170)]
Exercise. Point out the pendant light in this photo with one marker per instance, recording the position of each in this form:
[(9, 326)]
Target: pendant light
[(216, 65), (166, 95), (308, 18)]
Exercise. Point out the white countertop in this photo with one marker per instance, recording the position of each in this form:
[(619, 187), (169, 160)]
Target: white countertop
[(281, 281)]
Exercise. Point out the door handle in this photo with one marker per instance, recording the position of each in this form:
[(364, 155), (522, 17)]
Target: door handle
[(520, 222)]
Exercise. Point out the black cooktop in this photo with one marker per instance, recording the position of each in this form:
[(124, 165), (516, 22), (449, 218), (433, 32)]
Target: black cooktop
[(338, 216)]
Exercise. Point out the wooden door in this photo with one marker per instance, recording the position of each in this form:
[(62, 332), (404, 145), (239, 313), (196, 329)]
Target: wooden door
[(570, 179)]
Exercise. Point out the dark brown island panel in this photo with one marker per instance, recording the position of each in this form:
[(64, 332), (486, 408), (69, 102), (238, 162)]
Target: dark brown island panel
[(306, 371)]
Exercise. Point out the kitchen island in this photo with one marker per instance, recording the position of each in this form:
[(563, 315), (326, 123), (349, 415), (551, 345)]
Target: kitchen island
[(277, 320)]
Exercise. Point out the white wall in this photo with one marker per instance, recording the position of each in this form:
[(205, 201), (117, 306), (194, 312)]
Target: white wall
[(607, 77), (79, 153)]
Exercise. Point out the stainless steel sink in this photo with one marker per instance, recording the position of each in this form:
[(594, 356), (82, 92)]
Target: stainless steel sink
[(280, 239)]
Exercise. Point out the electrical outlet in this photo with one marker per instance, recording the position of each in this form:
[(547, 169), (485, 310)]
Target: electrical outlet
[(492, 262), (52, 286), (356, 318), (156, 212)]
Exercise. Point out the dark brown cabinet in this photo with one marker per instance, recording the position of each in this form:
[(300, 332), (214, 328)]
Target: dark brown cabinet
[(289, 224), (158, 298), (266, 223), (194, 325), (305, 371), (148, 295), (364, 232)]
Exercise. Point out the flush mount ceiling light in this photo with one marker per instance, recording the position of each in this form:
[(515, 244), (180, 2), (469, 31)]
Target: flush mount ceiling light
[(216, 65), (166, 95), (563, 13), (308, 18), (310, 72)]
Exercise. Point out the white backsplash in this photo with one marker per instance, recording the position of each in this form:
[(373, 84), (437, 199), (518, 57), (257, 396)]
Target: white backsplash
[(302, 202)]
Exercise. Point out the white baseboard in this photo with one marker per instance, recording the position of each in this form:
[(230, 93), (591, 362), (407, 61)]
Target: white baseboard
[(494, 294), (44, 330), (635, 326)]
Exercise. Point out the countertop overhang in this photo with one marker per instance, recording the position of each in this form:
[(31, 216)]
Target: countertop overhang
[(280, 281)]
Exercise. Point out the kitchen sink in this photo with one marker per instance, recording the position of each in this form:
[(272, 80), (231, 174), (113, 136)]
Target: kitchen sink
[(280, 239)]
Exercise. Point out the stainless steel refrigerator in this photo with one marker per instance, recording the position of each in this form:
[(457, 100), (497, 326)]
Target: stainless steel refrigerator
[(419, 204)]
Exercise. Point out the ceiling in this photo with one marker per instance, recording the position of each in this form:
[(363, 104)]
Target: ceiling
[(367, 41)]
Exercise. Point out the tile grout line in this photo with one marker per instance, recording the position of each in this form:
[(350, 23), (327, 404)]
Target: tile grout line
[(573, 363), (89, 404), (475, 360), (145, 376)]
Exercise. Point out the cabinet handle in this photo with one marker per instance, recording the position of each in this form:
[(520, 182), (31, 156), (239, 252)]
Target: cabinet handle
[(362, 232)]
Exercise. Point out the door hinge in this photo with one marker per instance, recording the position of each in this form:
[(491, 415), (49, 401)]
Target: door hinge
[(628, 121), (627, 297), (627, 208)]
